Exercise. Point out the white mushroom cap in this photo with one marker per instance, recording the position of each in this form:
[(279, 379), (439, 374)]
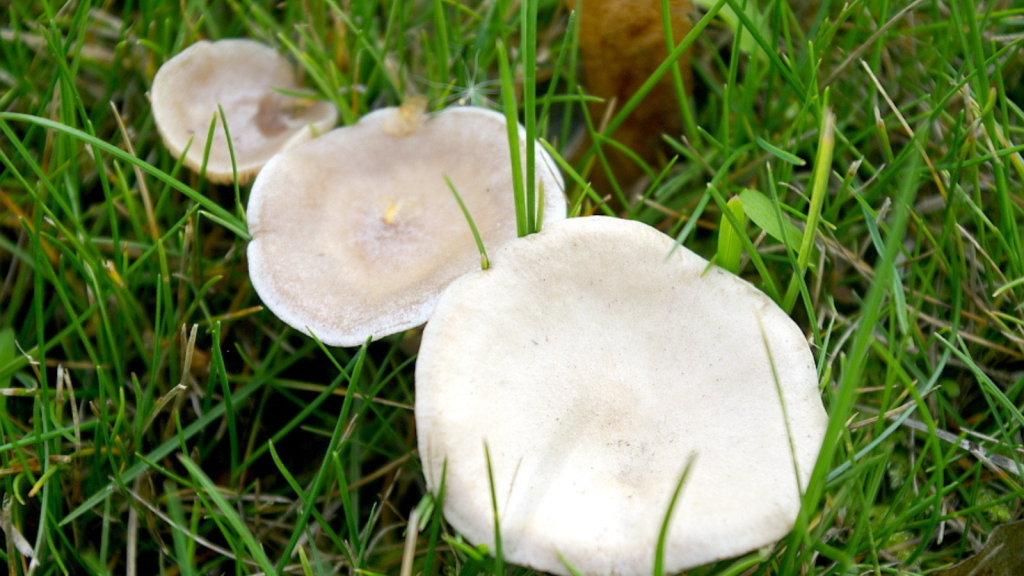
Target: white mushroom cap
[(594, 368), (241, 75), (356, 233)]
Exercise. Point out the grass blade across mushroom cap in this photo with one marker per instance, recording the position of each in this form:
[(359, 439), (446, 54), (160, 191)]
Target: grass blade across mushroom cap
[(244, 78), (594, 368), (356, 233)]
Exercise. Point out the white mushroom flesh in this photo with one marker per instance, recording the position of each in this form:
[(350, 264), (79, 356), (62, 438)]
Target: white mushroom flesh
[(356, 233), (594, 368)]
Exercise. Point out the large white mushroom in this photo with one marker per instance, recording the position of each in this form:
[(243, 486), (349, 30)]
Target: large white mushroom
[(356, 233), (245, 78), (594, 368)]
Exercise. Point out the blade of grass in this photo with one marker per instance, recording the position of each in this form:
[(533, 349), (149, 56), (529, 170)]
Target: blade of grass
[(508, 96), (659, 551), (235, 225), (528, 45), (499, 555), (321, 476), (851, 376), (819, 189), (232, 518), (165, 449), (484, 262)]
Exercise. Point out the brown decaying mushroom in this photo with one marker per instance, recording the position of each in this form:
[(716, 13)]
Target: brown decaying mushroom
[(594, 368), (356, 233), (622, 42), (243, 77)]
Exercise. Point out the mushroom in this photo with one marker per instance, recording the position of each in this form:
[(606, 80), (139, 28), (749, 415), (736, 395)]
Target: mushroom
[(622, 43), (594, 368), (356, 233), (245, 78)]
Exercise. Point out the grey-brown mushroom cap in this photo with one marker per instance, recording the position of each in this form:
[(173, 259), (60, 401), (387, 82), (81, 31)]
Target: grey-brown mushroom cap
[(593, 369), (242, 76), (356, 233)]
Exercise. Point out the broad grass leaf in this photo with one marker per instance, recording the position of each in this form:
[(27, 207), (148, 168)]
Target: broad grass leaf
[(762, 212), (730, 248)]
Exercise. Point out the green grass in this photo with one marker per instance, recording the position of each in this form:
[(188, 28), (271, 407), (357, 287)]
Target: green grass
[(157, 420)]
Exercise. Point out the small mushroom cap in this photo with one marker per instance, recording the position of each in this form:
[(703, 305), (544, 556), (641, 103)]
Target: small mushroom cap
[(356, 233), (594, 368), (241, 75)]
